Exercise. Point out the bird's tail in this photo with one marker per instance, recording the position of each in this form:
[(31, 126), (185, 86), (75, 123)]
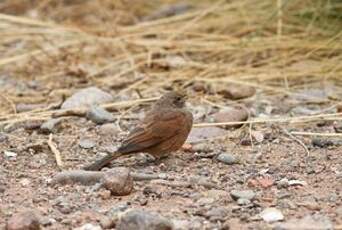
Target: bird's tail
[(99, 164)]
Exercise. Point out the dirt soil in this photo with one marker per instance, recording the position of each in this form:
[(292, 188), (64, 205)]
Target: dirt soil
[(262, 167)]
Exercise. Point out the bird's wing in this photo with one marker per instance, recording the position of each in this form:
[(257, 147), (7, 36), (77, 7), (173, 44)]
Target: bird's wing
[(156, 128)]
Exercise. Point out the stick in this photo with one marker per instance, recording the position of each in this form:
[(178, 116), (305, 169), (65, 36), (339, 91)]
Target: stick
[(317, 134), (54, 149), (297, 140), (145, 176)]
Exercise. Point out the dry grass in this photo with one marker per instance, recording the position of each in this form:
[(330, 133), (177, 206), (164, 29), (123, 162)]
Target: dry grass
[(275, 46)]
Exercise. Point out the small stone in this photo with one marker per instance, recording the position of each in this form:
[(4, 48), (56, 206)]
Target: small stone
[(236, 92), (217, 214), (9, 154), (231, 115), (63, 205), (46, 221), (107, 223), (205, 201), (175, 61), (99, 115), (297, 182), (143, 220), (89, 227), (87, 143), (245, 194), (23, 221), (283, 183), (227, 158), (119, 181), (201, 134), (50, 126), (201, 147), (322, 143), (115, 212), (108, 129), (271, 215), (199, 86), (243, 201), (86, 98), (3, 137), (25, 182)]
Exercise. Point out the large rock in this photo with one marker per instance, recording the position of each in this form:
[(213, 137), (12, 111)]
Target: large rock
[(143, 220), (86, 98), (119, 181), (23, 221)]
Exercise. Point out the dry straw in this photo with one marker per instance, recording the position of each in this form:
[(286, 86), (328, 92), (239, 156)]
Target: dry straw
[(275, 46)]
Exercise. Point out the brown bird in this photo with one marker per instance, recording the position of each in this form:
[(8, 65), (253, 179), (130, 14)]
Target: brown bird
[(164, 129)]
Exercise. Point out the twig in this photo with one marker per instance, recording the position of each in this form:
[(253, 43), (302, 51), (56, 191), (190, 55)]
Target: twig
[(317, 134), (298, 119), (54, 149), (145, 176), (297, 140)]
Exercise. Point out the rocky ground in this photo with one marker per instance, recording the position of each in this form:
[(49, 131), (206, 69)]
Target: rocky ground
[(221, 179)]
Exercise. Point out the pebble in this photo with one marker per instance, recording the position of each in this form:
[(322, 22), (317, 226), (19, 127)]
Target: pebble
[(99, 115), (308, 222), (119, 181), (143, 220), (244, 194), (227, 158), (235, 92), (50, 126), (243, 201), (87, 143), (63, 205), (3, 137), (116, 211), (217, 214), (25, 182), (205, 201), (231, 115), (23, 221), (322, 143), (201, 147), (200, 134), (271, 215), (89, 227), (9, 154), (86, 98), (46, 221)]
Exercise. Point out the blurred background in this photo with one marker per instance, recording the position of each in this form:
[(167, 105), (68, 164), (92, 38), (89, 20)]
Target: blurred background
[(50, 47)]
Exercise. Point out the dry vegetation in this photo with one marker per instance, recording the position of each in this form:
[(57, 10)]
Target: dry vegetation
[(69, 44)]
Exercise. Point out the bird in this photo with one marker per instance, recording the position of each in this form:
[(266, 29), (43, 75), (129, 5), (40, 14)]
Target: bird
[(163, 130)]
